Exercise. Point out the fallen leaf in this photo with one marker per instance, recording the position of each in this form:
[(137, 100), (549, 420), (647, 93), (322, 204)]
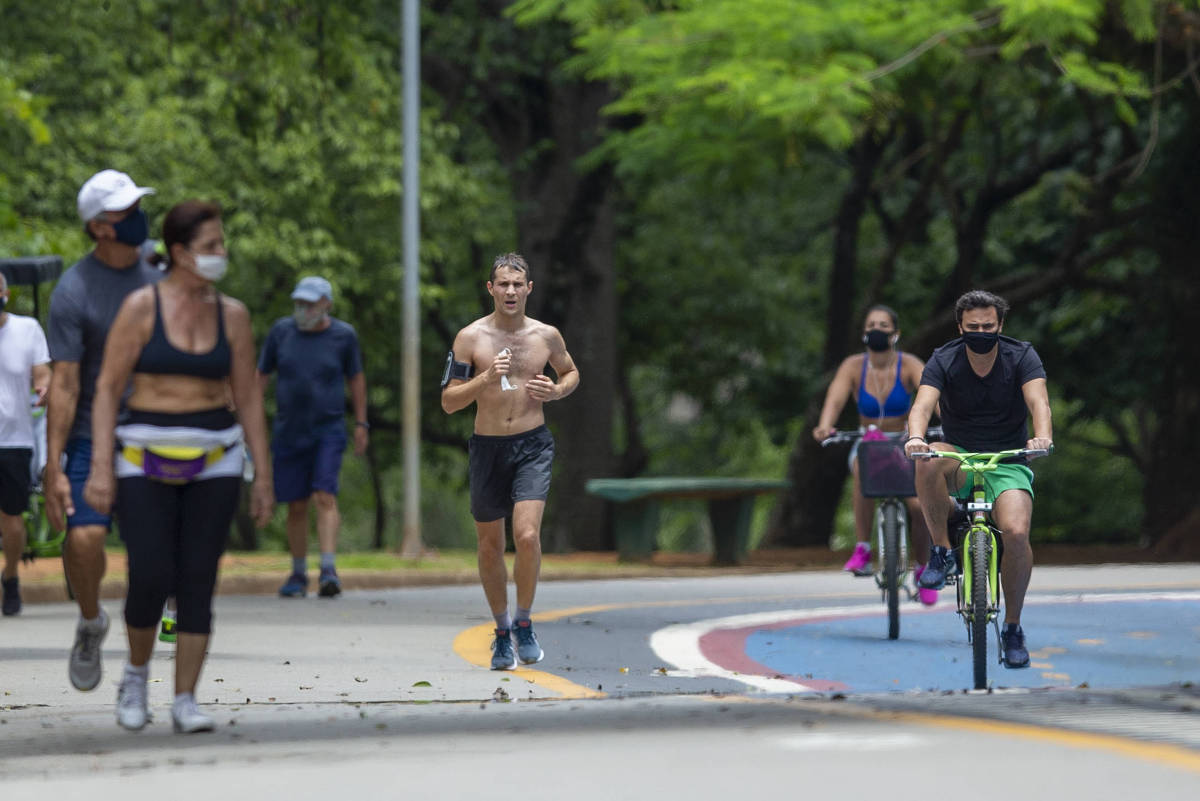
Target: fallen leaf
[(360, 681), (422, 684), (624, 670), (501, 694), (302, 687)]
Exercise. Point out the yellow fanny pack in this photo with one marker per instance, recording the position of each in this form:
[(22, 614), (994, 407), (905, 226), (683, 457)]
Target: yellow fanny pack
[(169, 463)]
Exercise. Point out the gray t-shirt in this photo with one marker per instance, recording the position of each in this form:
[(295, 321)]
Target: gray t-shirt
[(82, 309)]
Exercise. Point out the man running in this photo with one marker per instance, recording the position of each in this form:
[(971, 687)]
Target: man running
[(984, 386), (497, 363)]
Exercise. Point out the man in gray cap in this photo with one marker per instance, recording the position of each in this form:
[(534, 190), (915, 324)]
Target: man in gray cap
[(307, 350), (82, 308)]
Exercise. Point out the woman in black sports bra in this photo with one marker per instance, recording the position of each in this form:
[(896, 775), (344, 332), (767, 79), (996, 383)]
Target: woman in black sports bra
[(173, 464)]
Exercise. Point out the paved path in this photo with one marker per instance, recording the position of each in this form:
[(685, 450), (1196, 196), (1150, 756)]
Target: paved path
[(379, 694)]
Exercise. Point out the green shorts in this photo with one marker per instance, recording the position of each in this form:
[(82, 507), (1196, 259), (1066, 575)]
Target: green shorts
[(1004, 477)]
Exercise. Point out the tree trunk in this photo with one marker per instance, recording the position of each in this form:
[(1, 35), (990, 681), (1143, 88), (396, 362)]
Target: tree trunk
[(566, 233), (805, 517)]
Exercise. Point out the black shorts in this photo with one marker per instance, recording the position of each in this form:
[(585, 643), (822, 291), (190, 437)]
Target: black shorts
[(505, 470), (15, 480)]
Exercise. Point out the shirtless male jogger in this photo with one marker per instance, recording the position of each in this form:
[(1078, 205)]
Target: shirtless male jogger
[(497, 362)]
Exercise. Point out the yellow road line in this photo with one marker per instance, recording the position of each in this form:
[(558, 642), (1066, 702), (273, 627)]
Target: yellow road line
[(1162, 753), (475, 644)]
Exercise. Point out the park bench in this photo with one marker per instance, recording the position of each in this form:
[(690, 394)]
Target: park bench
[(636, 503)]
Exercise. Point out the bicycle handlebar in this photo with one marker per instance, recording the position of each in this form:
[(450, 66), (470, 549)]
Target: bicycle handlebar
[(854, 436), (982, 461)]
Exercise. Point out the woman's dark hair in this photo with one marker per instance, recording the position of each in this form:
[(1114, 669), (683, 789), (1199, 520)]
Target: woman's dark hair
[(980, 299), (181, 222), (890, 313)]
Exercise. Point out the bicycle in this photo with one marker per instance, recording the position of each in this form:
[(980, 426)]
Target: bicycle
[(978, 592), (885, 473)]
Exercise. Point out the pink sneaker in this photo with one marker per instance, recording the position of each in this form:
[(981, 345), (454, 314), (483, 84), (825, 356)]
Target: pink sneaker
[(926, 597), (859, 562)]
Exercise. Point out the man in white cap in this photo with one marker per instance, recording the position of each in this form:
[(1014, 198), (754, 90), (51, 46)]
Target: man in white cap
[(82, 308), (313, 353)]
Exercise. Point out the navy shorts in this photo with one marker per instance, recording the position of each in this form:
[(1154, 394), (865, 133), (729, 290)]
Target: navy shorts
[(504, 470), (300, 473), (15, 480), (79, 464)]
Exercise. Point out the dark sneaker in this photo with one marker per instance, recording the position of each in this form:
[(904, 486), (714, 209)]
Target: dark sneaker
[(12, 595), (329, 584), (503, 657), (84, 665), (295, 587), (167, 632), (528, 649), (942, 563), (1015, 653)]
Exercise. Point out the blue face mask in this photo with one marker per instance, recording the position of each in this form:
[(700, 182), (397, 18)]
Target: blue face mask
[(133, 230)]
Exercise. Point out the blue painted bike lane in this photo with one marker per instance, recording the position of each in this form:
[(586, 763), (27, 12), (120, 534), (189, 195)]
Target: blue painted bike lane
[(1101, 640)]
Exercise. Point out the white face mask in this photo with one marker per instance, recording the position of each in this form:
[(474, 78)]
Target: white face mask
[(211, 267)]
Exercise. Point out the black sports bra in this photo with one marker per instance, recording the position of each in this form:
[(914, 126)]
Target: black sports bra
[(159, 356)]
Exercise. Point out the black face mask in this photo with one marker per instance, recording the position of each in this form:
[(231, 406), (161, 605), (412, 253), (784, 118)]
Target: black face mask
[(133, 230), (877, 340), (981, 341)]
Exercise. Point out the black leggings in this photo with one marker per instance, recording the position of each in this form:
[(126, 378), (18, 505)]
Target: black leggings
[(174, 535)]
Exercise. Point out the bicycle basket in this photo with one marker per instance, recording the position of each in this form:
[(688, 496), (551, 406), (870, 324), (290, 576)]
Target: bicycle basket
[(884, 471)]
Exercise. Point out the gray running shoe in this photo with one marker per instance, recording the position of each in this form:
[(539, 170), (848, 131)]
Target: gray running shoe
[(503, 657), (187, 717), (133, 706), (527, 643), (84, 666)]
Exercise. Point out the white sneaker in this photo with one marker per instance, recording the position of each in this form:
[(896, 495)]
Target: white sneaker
[(132, 704), (187, 716), (84, 665)]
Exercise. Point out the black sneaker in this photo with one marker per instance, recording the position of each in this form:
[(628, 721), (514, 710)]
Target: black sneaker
[(942, 563), (1015, 653), (12, 595)]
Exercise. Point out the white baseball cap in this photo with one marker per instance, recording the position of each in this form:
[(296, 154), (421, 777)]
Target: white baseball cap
[(109, 190)]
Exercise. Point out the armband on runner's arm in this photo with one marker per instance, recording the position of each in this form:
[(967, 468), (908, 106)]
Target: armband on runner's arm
[(456, 369)]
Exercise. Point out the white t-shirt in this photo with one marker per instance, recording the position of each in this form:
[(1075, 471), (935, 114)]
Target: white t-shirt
[(22, 345)]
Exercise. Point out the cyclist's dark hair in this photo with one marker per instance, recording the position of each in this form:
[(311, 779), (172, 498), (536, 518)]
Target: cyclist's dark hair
[(514, 261), (890, 313), (980, 299), (182, 221)]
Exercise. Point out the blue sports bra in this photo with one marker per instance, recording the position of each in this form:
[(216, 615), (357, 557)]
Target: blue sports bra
[(896, 403), (161, 357)]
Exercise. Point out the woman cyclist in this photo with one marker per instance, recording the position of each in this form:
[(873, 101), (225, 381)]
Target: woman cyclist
[(882, 380), (177, 453)]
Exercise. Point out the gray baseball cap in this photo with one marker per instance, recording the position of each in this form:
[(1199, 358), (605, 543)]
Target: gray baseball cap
[(312, 288)]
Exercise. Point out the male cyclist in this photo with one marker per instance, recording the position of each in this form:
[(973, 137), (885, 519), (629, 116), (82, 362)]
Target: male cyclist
[(984, 386)]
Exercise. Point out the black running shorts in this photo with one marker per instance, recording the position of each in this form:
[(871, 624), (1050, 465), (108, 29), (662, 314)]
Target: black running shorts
[(15, 480), (504, 470)]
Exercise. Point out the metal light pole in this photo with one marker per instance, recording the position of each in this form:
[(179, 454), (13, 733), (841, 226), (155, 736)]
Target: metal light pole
[(410, 345)]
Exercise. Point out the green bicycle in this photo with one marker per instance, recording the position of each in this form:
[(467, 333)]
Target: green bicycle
[(978, 593)]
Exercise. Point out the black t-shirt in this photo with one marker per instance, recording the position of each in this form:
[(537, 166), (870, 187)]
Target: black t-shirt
[(983, 414)]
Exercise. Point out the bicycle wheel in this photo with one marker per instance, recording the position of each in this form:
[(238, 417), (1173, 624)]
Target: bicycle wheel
[(979, 546), (890, 523)]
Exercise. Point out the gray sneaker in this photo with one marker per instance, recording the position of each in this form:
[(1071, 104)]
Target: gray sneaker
[(503, 657), (527, 643), (84, 666)]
